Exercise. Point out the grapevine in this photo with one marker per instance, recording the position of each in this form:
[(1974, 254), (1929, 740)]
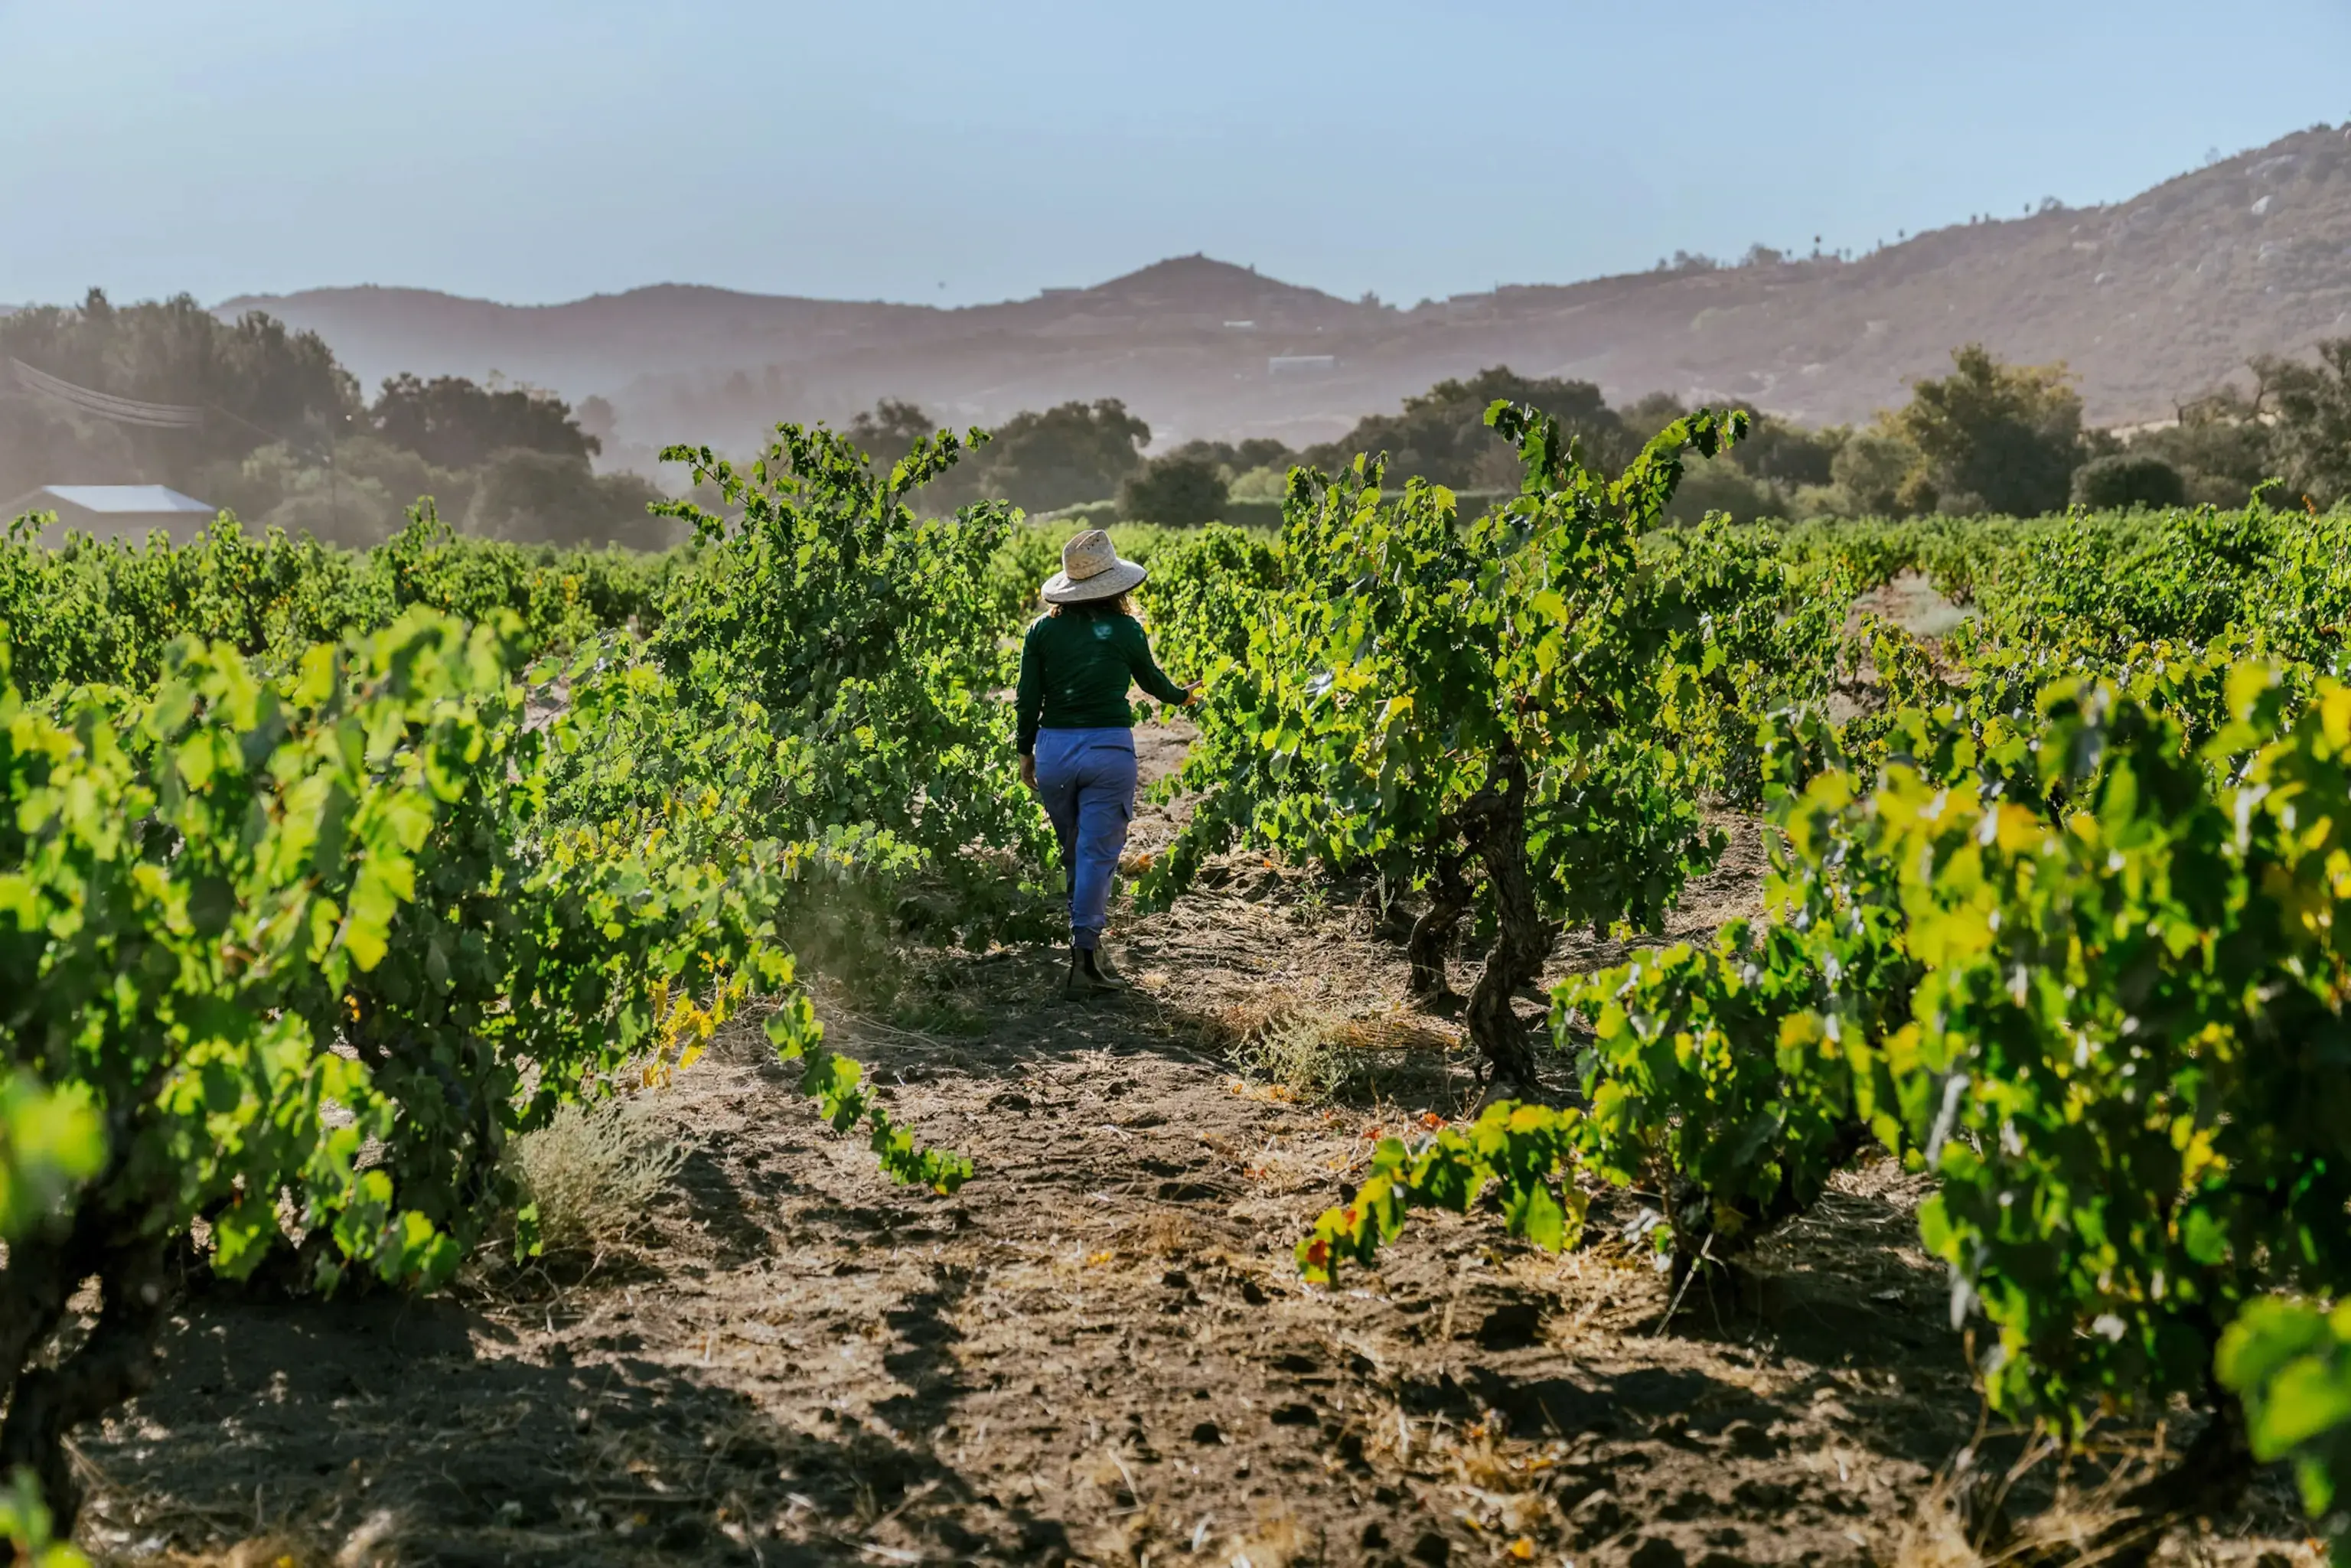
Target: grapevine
[(1465, 712)]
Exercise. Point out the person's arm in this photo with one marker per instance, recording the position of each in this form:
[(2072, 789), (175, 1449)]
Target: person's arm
[(1146, 669), (1029, 698)]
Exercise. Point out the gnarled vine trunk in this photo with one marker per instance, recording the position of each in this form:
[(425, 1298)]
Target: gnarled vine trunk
[(1432, 933), (1522, 938), (2208, 1479), (115, 1363)]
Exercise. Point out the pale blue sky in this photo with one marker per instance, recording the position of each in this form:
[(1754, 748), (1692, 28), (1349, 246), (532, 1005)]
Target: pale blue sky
[(534, 151)]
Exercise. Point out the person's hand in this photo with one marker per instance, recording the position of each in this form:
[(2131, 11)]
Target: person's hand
[(1028, 770), (1192, 694)]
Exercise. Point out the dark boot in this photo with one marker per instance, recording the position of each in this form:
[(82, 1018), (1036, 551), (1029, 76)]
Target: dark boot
[(1089, 976)]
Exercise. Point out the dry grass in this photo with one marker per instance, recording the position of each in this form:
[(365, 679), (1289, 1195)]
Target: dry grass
[(1317, 1053), (594, 1172), (2081, 1524), (1486, 1474), (1940, 1536)]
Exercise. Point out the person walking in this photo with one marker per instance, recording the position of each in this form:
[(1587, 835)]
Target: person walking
[(1077, 732)]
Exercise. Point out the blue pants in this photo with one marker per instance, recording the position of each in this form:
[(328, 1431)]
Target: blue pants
[(1086, 779)]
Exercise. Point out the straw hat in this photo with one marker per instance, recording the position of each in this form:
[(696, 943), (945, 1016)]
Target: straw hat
[(1090, 569)]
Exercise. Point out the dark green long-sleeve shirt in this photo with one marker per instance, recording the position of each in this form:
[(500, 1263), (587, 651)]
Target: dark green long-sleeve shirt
[(1074, 672)]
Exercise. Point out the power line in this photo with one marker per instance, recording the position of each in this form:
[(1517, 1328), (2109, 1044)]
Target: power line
[(160, 416), (105, 405)]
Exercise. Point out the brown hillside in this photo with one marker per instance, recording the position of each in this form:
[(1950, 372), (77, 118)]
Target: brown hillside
[(2149, 300)]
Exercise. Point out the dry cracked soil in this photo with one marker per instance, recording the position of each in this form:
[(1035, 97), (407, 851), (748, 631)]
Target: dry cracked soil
[(1098, 1351)]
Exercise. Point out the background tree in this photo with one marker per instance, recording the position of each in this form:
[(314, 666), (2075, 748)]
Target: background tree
[(1652, 412), (547, 497), (2219, 445), (1260, 486), (2122, 480), (599, 422), (283, 440), (1065, 456), (1761, 478), (1996, 437), (1176, 490), (888, 430), (1239, 458), (1718, 484), (1784, 453), (1873, 471), (255, 380), (453, 422), (2310, 445), (1256, 470), (1441, 434)]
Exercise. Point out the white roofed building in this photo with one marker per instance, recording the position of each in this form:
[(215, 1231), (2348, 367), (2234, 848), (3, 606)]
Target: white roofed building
[(129, 512)]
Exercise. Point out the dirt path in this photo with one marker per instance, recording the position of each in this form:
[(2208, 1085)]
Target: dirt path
[(1098, 1351)]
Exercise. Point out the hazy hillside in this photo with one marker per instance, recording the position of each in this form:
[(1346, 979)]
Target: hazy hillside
[(2149, 300)]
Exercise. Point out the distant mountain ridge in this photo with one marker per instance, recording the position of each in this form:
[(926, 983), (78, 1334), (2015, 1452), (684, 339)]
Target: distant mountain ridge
[(2150, 301)]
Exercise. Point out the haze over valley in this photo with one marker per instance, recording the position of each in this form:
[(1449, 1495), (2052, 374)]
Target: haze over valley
[(2149, 302)]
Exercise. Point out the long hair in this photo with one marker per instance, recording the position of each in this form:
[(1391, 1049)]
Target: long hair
[(1092, 609)]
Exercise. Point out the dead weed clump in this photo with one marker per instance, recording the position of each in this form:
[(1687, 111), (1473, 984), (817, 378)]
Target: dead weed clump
[(1501, 1484), (1316, 1053), (594, 1173), (1949, 1531), (1965, 1520)]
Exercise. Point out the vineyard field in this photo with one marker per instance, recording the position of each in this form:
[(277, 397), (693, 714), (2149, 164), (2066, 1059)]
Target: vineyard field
[(1680, 1047), (1117, 1293)]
